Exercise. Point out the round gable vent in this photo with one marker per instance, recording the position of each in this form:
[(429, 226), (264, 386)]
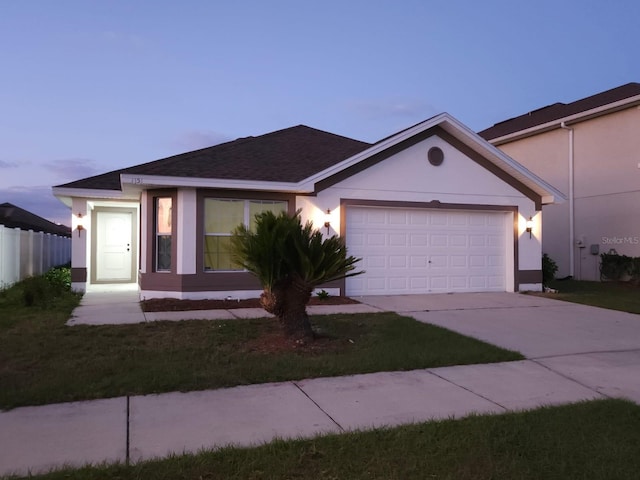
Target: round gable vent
[(436, 156)]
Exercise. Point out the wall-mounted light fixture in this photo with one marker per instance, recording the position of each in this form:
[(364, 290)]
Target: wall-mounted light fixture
[(529, 226), (79, 225), (327, 219)]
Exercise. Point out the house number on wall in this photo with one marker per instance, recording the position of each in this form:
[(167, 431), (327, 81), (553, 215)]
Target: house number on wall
[(136, 181)]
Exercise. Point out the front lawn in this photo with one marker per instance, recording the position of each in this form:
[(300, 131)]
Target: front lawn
[(591, 440), (44, 361), (621, 296)]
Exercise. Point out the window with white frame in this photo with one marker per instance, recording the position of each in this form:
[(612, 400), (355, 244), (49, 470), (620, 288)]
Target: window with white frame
[(221, 217)]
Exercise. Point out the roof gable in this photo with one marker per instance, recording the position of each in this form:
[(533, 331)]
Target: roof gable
[(460, 137), (559, 110)]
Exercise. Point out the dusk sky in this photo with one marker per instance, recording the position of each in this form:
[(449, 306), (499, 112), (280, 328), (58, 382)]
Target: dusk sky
[(91, 86)]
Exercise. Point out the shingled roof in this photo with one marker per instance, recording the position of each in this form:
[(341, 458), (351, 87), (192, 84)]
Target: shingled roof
[(16, 217), (288, 155), (557, 111)]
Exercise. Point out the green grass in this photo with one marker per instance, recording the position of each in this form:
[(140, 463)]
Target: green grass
[(43, 361), (613, 295), (591, 440)]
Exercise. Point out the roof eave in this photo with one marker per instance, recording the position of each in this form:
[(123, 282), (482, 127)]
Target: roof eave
[(452, 126), (65, 194), (568, 120), (506, 163), (137, 182)]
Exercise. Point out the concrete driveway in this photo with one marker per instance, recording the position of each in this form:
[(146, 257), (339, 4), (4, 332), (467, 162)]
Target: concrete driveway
[(596, 347)]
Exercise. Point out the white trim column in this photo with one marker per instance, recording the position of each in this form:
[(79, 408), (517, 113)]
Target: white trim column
[(186, 231)]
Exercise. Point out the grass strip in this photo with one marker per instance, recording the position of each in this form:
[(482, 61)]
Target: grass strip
[(594, 440), (623, 296), (43, 361)]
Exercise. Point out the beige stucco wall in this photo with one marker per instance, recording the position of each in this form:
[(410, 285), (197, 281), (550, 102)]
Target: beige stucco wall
[(408, 177), (606, 187)]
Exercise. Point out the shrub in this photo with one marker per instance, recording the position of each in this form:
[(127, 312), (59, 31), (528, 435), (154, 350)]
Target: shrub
[(549, 269), (59, 278), (614, 266), (42, 290), (634, 270), (323, 294)]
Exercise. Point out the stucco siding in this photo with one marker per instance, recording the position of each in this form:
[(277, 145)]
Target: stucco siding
[(408, 177), (606, 188)]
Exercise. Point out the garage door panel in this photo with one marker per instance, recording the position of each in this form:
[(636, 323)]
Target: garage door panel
[(477, 261), (460, 220), (418, 261), (397, 261), (477, 241), (376, 217), (426, 251), (438, 261), (495, 240), (376, 283), (397, 284), (417, 217), (458, 282), (438, 283), (458, 240), (438, 219), (397, 217), (495, 260), (459, 261), (376, 239), (417, 240), (398, 239), (438, 240), (374, 261)]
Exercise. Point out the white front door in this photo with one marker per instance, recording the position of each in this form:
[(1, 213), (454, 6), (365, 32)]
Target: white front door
[(114, 247), (407, 250)]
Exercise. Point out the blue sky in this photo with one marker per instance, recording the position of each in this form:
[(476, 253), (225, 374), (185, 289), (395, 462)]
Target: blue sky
[(92, 86)]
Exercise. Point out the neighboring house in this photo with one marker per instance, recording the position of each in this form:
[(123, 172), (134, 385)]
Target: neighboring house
[(433, 208), (590, 150), (12, 216)]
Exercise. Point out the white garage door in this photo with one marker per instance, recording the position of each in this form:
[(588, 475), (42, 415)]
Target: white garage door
[(427, 251)]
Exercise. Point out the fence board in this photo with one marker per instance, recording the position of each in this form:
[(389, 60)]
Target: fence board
[(24, 253)]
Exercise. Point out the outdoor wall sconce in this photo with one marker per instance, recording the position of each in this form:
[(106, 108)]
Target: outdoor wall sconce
[(529, 226), (327, 223), (80, 227)]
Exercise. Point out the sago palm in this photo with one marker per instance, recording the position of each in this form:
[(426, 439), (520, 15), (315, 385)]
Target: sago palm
[(290, 260)]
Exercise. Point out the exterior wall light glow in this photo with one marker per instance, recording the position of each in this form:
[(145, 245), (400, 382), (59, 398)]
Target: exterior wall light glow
[(529, 226), (79, 226), (327, 223)]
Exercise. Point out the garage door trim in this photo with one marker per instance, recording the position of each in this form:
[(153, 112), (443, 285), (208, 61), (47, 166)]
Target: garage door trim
[(350, 202)]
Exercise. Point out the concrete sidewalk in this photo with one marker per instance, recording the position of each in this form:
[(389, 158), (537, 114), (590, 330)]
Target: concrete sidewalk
[(94, 431), (575, 353)]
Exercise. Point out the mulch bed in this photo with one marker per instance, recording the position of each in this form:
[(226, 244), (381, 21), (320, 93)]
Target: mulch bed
[(175, 305)]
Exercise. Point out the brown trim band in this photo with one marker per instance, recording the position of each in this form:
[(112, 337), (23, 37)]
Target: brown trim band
[(530, 276), (208, 282), (78, 274)]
